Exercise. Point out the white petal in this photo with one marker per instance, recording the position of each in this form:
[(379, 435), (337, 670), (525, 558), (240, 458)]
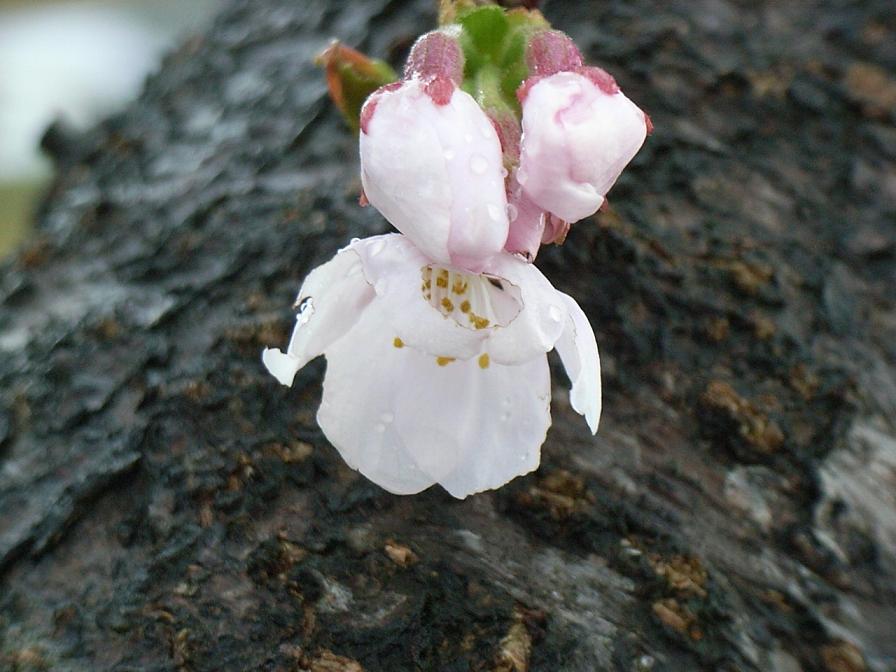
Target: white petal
[(283, 367), (395, 269), (577, 348), (406, 422), (330, 301), (434, 171), (507, 422), (541, 321)]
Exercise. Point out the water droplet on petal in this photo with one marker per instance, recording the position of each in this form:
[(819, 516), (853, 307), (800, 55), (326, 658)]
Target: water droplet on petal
[(306, 310), (521, 176), (478, 164), (504, 172), (487, 130), (450, 154), (494, 212), (555, 313), (354, 240), (512, 212)]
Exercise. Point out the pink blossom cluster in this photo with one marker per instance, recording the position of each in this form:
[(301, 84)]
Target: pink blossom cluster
[(426, 147), (436, 338)]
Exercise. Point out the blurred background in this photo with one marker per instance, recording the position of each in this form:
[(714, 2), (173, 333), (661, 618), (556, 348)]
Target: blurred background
[(77, 61)]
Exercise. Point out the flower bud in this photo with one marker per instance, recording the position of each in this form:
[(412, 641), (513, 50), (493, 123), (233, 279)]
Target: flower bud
[(579, 133), (431, 163), (351, 78)]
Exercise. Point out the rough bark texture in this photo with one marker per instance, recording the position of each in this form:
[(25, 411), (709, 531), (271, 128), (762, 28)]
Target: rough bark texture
[(165, 505)]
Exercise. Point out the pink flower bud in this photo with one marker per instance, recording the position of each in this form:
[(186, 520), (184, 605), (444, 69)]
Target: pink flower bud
[(579, 133), (431, 163)]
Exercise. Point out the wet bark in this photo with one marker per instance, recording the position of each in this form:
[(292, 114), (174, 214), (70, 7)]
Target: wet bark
[(165, 505)]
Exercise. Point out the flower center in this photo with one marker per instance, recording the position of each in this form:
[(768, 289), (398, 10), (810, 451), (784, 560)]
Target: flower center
[(473, 301)]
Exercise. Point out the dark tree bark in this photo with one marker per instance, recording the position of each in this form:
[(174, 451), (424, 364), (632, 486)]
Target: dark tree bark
[(165, 505)]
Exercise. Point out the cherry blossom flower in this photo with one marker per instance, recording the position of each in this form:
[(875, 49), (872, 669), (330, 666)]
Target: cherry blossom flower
[(436, 338), (436, 374)]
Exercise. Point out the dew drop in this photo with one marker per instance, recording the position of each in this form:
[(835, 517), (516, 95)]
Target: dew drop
[(521, 176), (494, 212), (555, 314), (354, 240), (486, 130), (512, 212), (306, 310), (504, 173), (478, 164), (450, 154)]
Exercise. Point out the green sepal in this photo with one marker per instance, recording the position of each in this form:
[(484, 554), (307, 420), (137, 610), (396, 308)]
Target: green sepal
[(485, 30), (494, 43)]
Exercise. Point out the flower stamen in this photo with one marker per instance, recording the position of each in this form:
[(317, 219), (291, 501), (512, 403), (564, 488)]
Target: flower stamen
[(488, 301)]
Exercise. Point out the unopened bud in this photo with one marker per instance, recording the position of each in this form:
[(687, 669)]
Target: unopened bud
[(351, 78)]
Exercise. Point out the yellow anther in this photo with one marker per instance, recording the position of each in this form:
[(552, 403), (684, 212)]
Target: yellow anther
[(428, 284), (441, 282), (444, 361), (398, 343), (478, 322), (465, 307), (447, 305), (484, 361), (459, 286)]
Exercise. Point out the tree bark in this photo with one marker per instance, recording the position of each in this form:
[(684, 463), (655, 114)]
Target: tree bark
[(166, 505)]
